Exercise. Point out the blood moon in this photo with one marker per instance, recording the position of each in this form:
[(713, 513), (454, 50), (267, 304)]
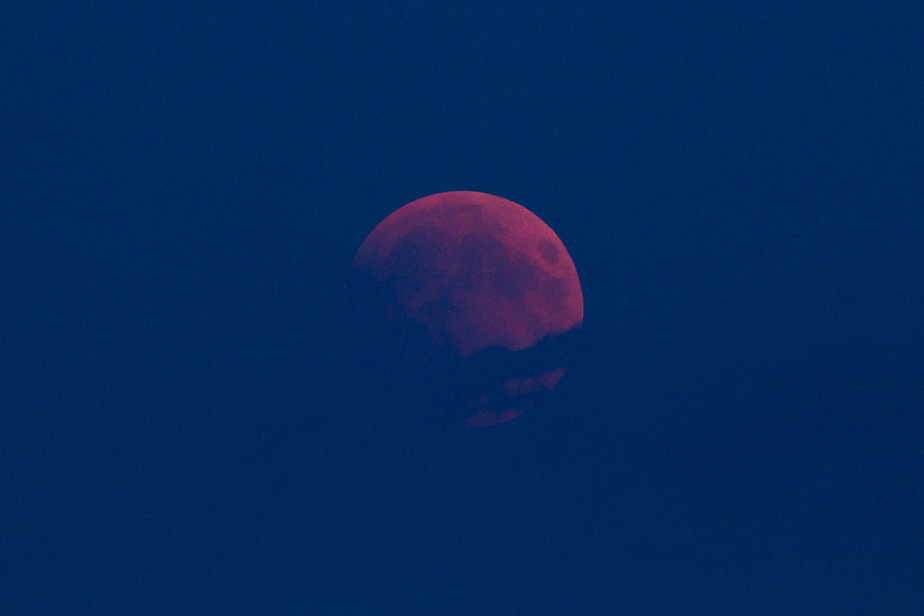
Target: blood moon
[(479, 291)]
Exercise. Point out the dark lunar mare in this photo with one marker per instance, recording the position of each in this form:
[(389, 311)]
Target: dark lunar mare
[(427, 263)]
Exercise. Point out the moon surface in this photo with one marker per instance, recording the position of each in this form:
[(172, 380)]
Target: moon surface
[(476, 276)]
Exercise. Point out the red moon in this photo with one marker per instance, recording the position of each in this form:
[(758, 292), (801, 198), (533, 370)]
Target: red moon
[(476, 272)]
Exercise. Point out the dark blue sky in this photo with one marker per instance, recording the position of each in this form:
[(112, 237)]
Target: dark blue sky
[(183, 186)]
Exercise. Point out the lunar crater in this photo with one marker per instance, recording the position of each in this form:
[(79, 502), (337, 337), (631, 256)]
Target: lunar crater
[(548, 251)]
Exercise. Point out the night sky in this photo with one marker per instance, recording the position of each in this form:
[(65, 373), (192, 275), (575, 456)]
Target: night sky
[(183, 186)]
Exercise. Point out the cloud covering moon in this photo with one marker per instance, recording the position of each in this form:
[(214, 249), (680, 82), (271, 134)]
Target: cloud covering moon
[(475, 272)]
